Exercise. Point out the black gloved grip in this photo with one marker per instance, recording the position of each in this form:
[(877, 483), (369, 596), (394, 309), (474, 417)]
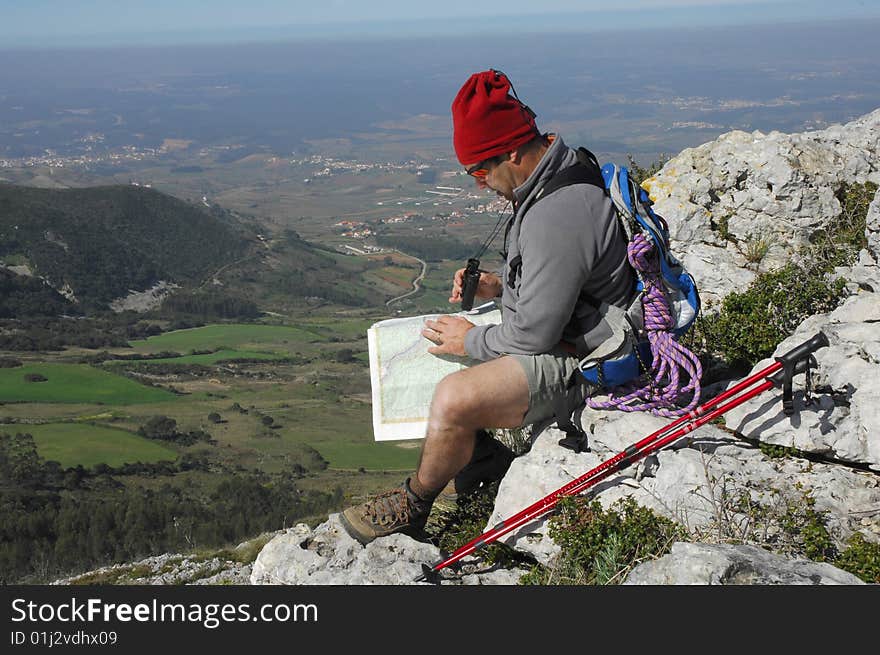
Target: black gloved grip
[(792, 362), (802, 351), (470, 283), (800, 366)]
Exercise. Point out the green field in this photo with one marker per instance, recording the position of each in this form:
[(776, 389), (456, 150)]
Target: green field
[(369, 456), (316, 402), (277, 339), (75, 383), (400, 279), (77, 443), (206, 359), (351, 328)]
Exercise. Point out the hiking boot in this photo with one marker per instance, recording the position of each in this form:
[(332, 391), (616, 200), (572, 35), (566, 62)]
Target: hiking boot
[(488, 464), (395, 511)]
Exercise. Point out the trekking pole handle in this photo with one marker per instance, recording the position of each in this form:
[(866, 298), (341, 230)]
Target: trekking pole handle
[(797, 360), (802, 351), (799, 366)]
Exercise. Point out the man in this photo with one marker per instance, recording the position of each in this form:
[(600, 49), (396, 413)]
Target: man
[(565, 255)]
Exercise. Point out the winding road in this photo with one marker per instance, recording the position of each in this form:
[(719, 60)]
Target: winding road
[(416, 283)]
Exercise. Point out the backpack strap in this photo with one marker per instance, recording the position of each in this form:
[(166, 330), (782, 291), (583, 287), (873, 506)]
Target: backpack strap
[(586, 171)]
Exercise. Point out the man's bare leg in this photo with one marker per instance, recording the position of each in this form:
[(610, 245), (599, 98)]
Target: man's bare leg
[(493, 394)]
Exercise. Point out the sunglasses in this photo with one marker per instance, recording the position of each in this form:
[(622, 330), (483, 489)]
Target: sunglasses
[(481, 169), (478, 170)]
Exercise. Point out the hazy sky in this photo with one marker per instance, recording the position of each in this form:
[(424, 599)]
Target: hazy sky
[(61, 22)]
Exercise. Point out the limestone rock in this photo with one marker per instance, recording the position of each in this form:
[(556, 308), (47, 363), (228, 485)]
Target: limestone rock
[(144, 301), (548, 466), (747, 201), (724, 564), (843, 420), (864, 274), (872, 230), (696, 481), (167, 569), (327, 555)]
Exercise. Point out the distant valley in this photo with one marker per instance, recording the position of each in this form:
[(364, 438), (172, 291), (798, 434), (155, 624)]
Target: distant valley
[(194, 241)]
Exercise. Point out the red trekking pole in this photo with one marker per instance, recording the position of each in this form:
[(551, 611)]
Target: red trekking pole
[(795, 361)]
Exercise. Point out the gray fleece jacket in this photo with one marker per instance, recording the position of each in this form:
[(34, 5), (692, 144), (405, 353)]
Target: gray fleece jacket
[(573, 256)]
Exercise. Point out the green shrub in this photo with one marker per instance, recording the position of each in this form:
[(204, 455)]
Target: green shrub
[(600, 546), (784, 523), (640, 173), (806, 528), (751, 324), (466, 521), (861, 558), (722, 226), (839, 243), (776, 451), (755, 248)]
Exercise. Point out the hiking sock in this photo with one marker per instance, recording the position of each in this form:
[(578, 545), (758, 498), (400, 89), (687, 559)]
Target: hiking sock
[(421, 498)]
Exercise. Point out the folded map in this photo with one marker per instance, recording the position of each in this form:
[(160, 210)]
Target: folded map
[(403, 373)]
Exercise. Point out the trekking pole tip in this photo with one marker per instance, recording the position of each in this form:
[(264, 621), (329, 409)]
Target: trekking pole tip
[(428, 575)]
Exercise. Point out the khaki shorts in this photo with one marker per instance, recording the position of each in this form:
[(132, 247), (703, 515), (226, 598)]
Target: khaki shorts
[(552, 377)]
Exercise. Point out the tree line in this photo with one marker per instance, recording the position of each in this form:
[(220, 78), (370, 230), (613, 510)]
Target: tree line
[(56, 521)]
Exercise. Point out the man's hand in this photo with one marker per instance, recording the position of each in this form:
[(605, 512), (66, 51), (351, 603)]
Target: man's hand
[(489, 286), (447, 333)]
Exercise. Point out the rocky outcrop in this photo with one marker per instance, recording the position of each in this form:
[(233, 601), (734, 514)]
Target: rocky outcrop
[(865, 273), (327, 555), (223, 567), (842, 421), (144, 301), (722, 564), (697, 481), (700, 481), (729, 200), (167, 569), (873, 230)]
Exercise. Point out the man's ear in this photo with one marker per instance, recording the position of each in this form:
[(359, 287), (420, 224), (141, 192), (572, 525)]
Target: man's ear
[(515, 156)]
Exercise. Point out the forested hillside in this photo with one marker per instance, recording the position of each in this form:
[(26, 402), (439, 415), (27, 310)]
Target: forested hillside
[(99, 243), (75, 251)]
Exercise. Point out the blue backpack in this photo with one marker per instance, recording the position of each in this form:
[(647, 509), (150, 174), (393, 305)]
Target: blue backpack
[(609, 362)]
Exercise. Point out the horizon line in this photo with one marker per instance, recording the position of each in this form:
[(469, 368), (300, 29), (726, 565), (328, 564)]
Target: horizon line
[(452, 27)]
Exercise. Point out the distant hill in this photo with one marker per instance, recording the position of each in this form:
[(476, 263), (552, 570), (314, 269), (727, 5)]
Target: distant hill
[(77, 250), (97, 244)]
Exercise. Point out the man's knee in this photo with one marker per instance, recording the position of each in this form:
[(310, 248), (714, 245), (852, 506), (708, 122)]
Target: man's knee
[(492, 394), (453, 400)]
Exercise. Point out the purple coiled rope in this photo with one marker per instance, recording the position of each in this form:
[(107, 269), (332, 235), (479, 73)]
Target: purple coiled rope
[(662, 393)]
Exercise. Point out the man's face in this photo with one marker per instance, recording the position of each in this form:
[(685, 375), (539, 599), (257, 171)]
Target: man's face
[(494, 174)]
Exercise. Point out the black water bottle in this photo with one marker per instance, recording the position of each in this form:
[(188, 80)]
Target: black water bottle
[(470, 283)]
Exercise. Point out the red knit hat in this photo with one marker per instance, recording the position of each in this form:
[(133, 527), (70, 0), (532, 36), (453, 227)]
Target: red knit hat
[(486, 121)]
